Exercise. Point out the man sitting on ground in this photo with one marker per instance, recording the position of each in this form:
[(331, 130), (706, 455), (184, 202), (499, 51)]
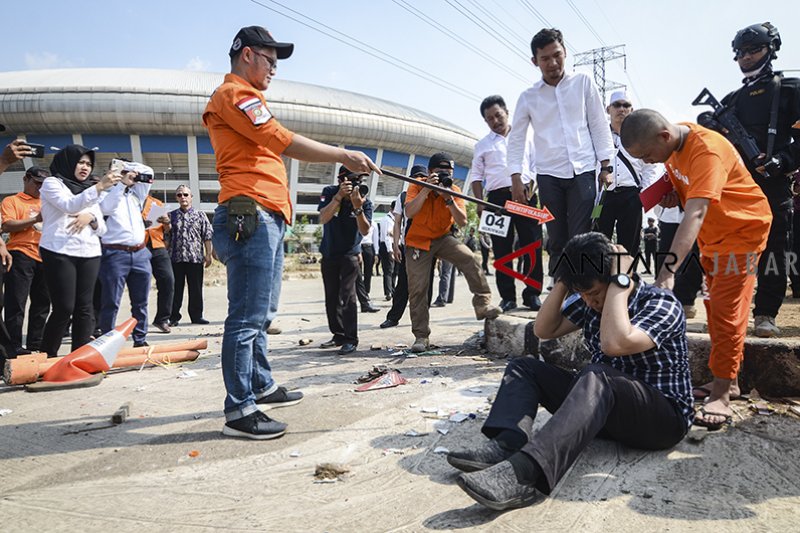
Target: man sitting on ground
[(636, 390)]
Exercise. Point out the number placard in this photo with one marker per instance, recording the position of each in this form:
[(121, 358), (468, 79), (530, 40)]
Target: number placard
[(494, 224)]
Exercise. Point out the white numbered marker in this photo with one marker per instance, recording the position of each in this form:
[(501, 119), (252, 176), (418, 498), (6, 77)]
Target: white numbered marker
[(494, 224)]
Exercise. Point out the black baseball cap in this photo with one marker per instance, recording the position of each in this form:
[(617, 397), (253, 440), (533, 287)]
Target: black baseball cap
[(37, 173), (441, 160), (258, 36), (345, 172), (419, 169)]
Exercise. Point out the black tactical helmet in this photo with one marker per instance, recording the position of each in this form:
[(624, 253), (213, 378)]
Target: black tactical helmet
[(758, 34)]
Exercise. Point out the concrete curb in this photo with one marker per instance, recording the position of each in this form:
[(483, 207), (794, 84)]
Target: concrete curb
[(770, 365)]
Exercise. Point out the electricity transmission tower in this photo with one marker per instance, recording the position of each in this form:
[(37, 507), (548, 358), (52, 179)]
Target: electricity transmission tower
[(597, 58)]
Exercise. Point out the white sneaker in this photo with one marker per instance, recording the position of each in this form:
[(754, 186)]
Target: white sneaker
[(765, 327), (690, 311)]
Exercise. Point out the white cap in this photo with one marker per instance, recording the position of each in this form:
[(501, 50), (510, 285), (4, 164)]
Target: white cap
[(616, 96)]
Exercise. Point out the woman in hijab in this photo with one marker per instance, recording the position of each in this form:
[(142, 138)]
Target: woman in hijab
[(72, 224)]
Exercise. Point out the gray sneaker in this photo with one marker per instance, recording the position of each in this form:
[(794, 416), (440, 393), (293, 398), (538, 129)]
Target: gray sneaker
[(421, 344), (280, 398), (487, 455), (765, 327), (497, 488)]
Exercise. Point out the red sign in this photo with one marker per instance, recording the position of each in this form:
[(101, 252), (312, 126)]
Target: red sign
[(655, 192), (540, 215), (530, 250)]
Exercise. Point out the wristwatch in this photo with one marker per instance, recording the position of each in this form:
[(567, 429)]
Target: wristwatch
[(621, 280), (608, 169), (357, 211), (449, 202)]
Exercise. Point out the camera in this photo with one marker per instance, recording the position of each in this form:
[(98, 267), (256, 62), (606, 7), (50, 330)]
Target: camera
[(144, 174), (445, 179), (355, 181), (38, 149)]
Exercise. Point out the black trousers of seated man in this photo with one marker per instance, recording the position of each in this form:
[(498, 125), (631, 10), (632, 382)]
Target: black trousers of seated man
[(339, 275), (622, 209), (529, 231), (598, 401)]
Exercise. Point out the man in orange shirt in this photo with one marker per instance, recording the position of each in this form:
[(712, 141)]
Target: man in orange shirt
[(160, 263), (729, 216), (430, 237), (22, 221), (250, 222)]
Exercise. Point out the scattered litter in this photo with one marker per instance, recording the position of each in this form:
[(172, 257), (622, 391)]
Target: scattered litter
[(122, 413), (443, 431), (476, 390), (425, 381), (140, 389), (696, 435), (441, 449), (480, 358), (401, 345), (4, 412), (399, 352), (436, 372), (459, 417), (429, 410), (305, 320), (460, 352), (762, 408), (795, 409), (386, 381), (305, 342), (194, 453), (329, 472), (377, 371), (647, 494), (294, 454), (395, 451), (428, 352), (376, 347), (186, 374), (414, 433)]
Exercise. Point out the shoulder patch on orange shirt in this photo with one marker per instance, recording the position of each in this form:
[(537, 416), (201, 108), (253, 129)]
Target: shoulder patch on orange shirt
[(255, 110)]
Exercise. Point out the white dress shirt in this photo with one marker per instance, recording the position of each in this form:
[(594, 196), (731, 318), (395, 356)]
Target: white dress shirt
[(490, 163), (59, 206), (399, 211), (570, 128), (372, 235), (621, 177), (123, 207), (387, 230)]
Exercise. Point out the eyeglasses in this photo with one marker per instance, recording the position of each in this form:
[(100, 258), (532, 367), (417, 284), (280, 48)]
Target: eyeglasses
[(273, 63), (626, 105), (752, 50), (182, 194)]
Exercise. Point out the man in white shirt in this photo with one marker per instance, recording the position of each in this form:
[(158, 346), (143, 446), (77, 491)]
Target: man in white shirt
[(369, 252), (570, 137), (490, 177), (621, 204), (386, 236), (126, 259)]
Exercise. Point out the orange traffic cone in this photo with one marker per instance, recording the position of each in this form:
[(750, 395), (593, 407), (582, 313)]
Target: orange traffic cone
[(97, 356)]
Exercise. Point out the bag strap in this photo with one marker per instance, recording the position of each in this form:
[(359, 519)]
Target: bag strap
[(772, 131), (629, 166)]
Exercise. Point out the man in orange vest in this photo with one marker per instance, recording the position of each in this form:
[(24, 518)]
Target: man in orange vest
[(161, 264)]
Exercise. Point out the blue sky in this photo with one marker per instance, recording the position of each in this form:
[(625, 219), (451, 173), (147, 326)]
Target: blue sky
[(674, 48)]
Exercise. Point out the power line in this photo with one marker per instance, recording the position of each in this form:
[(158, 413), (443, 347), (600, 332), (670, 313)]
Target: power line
[(493, 60), (374, 52), (475, 20), (526, 4), (586, 22), (497, 21)]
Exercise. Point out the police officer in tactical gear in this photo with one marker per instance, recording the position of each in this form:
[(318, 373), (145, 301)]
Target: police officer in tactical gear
[(768, 107)]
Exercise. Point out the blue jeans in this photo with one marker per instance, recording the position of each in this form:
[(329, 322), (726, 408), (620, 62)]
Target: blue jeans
[(254, 268), (118, 268)]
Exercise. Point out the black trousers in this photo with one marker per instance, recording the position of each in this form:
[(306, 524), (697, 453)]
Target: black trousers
[(25, 280), (190, 274), (529, 231), (165, 284), (368, 257), (622, 210), (794, 273), (389, 273), (339, 276), (599, 401), (70, 282), (400, 298), (485, 259), (772, 268), (689, 275), (650, 249), (571, 202)]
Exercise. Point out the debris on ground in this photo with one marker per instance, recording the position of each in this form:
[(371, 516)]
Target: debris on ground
[(4, 412), (194, 453), (441, 449), (376, 346), (122, 413), (377, 371), (414, 433), (329, 472), (460, 417), (395, 451), (186, 374), (305, 342), (294, 454), (391, 378)]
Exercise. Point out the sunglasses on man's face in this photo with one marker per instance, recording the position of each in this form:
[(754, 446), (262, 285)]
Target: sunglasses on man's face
[(182, 194), (617, 105)]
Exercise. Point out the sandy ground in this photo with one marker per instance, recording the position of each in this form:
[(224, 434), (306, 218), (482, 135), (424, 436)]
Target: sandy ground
[(64, 467)]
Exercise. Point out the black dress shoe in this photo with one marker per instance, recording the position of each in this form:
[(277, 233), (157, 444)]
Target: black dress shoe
[(331, 343), (347, 348), (163, 327), (201, 321), (508, 305), (534, 303), (438, 303), (369, 308), (173, 323), (140, 344), (389, 323)]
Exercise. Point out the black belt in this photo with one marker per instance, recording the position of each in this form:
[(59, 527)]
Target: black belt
[(124, 247), (624, 189)]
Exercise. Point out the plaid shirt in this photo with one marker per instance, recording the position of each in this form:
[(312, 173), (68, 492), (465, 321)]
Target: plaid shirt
[(188, 231), (659, 314)]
